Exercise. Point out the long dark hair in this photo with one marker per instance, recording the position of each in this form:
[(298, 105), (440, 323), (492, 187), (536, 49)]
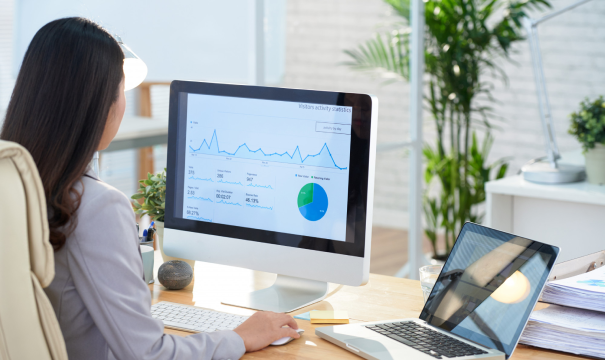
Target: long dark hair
[(68, 81)]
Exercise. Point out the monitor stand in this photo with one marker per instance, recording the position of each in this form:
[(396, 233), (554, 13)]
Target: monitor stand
[(286, 294)]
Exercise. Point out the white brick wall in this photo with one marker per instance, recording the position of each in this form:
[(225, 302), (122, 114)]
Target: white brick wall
[(317, 33), (573, 52), (573, 48)]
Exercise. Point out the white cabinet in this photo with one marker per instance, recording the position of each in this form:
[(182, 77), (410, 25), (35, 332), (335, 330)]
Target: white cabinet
[(571, 216)]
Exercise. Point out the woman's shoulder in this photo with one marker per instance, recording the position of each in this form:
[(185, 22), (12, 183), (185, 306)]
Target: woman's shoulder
[(94, 189), (103, 211), (100, 200)]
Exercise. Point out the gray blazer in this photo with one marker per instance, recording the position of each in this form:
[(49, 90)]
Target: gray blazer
[(100, 298)]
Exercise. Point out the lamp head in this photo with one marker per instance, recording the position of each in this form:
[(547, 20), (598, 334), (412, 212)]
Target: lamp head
[(135, 69), (514, 289)]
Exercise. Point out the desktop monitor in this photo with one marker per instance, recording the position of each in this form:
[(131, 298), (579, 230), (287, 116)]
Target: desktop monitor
[(272, 179)]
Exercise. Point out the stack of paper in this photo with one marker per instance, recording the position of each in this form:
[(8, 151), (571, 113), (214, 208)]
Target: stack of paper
[(576, 331), (585, 291)]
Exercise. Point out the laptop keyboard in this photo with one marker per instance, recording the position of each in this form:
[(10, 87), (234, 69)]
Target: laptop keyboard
[(428, 341)]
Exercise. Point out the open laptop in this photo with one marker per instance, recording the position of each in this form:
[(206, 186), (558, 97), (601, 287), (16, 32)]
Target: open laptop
[(478, 308)]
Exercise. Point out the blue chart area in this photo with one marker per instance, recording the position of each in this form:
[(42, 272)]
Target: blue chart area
[(200, 198), (230, 182), (199, 218), (260, 207), (322, 158), (200, 179), (316, 204), (260, 186), (228, 203)]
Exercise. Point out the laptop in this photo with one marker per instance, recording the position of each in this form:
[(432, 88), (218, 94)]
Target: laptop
[(477, 309)]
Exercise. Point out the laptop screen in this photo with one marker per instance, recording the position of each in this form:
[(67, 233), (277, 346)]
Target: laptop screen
[(489, 286)]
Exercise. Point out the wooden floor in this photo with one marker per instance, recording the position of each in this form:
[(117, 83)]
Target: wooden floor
[(390, 250)]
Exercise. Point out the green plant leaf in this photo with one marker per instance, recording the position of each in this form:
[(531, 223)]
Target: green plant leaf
[(153, 191), (588, 124)]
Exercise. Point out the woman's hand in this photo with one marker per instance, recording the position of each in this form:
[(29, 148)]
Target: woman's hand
[(264, 327)]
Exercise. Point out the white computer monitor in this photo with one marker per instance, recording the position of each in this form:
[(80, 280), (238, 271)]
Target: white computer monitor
[(272, 179)]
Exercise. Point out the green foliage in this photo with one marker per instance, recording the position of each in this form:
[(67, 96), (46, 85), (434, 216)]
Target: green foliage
[(153, 190), (588, 124), (462, 40), (456, 203), (386, 55)]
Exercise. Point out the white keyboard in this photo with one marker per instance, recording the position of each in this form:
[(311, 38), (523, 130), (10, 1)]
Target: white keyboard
[(194, 319)]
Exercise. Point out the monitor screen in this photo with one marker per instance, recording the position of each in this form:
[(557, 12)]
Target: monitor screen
[(488, 286), (270, 165), (287, 167)]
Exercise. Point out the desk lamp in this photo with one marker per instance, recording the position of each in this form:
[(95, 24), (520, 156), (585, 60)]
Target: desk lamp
[(135, 72), (514, 289), (546, 170)]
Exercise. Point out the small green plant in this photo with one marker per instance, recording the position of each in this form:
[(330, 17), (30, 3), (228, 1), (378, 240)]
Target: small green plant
[(588, 124), (153, 190)]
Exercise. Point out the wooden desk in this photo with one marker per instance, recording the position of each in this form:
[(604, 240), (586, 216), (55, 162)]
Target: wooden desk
[(383, 298)]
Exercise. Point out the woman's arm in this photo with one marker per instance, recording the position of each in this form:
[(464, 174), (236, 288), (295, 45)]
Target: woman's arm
[(107, 271)]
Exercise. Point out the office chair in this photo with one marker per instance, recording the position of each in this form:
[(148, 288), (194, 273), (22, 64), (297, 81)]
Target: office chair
[(28, 326)]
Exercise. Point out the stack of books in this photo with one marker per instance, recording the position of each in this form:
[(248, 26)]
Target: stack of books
[(575, 323)]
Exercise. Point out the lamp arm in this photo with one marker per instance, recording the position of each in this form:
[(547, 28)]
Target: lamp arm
[(558, 12), (550, 142), (531, 26)]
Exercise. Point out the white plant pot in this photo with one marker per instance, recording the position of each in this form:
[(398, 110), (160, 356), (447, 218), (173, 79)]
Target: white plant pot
[(595, 164), (160, 227)]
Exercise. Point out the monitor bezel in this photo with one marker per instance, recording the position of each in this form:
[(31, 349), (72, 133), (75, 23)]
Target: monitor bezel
[(545, 248), (358, 233)]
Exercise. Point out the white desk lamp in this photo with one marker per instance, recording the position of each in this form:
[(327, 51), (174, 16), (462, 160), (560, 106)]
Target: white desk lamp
[(135, 72), (135, 69), (546, 169)]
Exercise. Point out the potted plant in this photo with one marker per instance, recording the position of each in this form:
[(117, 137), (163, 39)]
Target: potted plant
[(153, 191), (462, 39), (588, 126)]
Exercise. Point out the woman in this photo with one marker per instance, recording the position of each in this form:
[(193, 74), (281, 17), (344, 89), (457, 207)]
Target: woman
[(68, 102)]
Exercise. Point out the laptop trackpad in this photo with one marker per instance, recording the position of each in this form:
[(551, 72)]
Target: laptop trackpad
[(373, 347)]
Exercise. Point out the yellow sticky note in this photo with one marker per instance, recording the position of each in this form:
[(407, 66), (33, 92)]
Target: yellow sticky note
[(329, 317)]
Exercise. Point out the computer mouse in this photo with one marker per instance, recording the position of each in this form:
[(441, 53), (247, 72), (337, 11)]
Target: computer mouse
[(287, 339)]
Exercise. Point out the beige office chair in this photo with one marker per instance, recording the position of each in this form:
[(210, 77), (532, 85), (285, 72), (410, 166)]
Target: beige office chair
[(28, 326)]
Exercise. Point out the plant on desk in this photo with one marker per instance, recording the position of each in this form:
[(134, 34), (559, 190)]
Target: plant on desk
[(153, 192), (588, 126), (462, 39)]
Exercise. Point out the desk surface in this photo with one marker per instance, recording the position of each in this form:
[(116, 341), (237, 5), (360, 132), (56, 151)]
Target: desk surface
[(383, 298)]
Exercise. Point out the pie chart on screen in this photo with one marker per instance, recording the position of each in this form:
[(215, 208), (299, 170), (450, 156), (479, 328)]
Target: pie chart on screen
[(312, 202)]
